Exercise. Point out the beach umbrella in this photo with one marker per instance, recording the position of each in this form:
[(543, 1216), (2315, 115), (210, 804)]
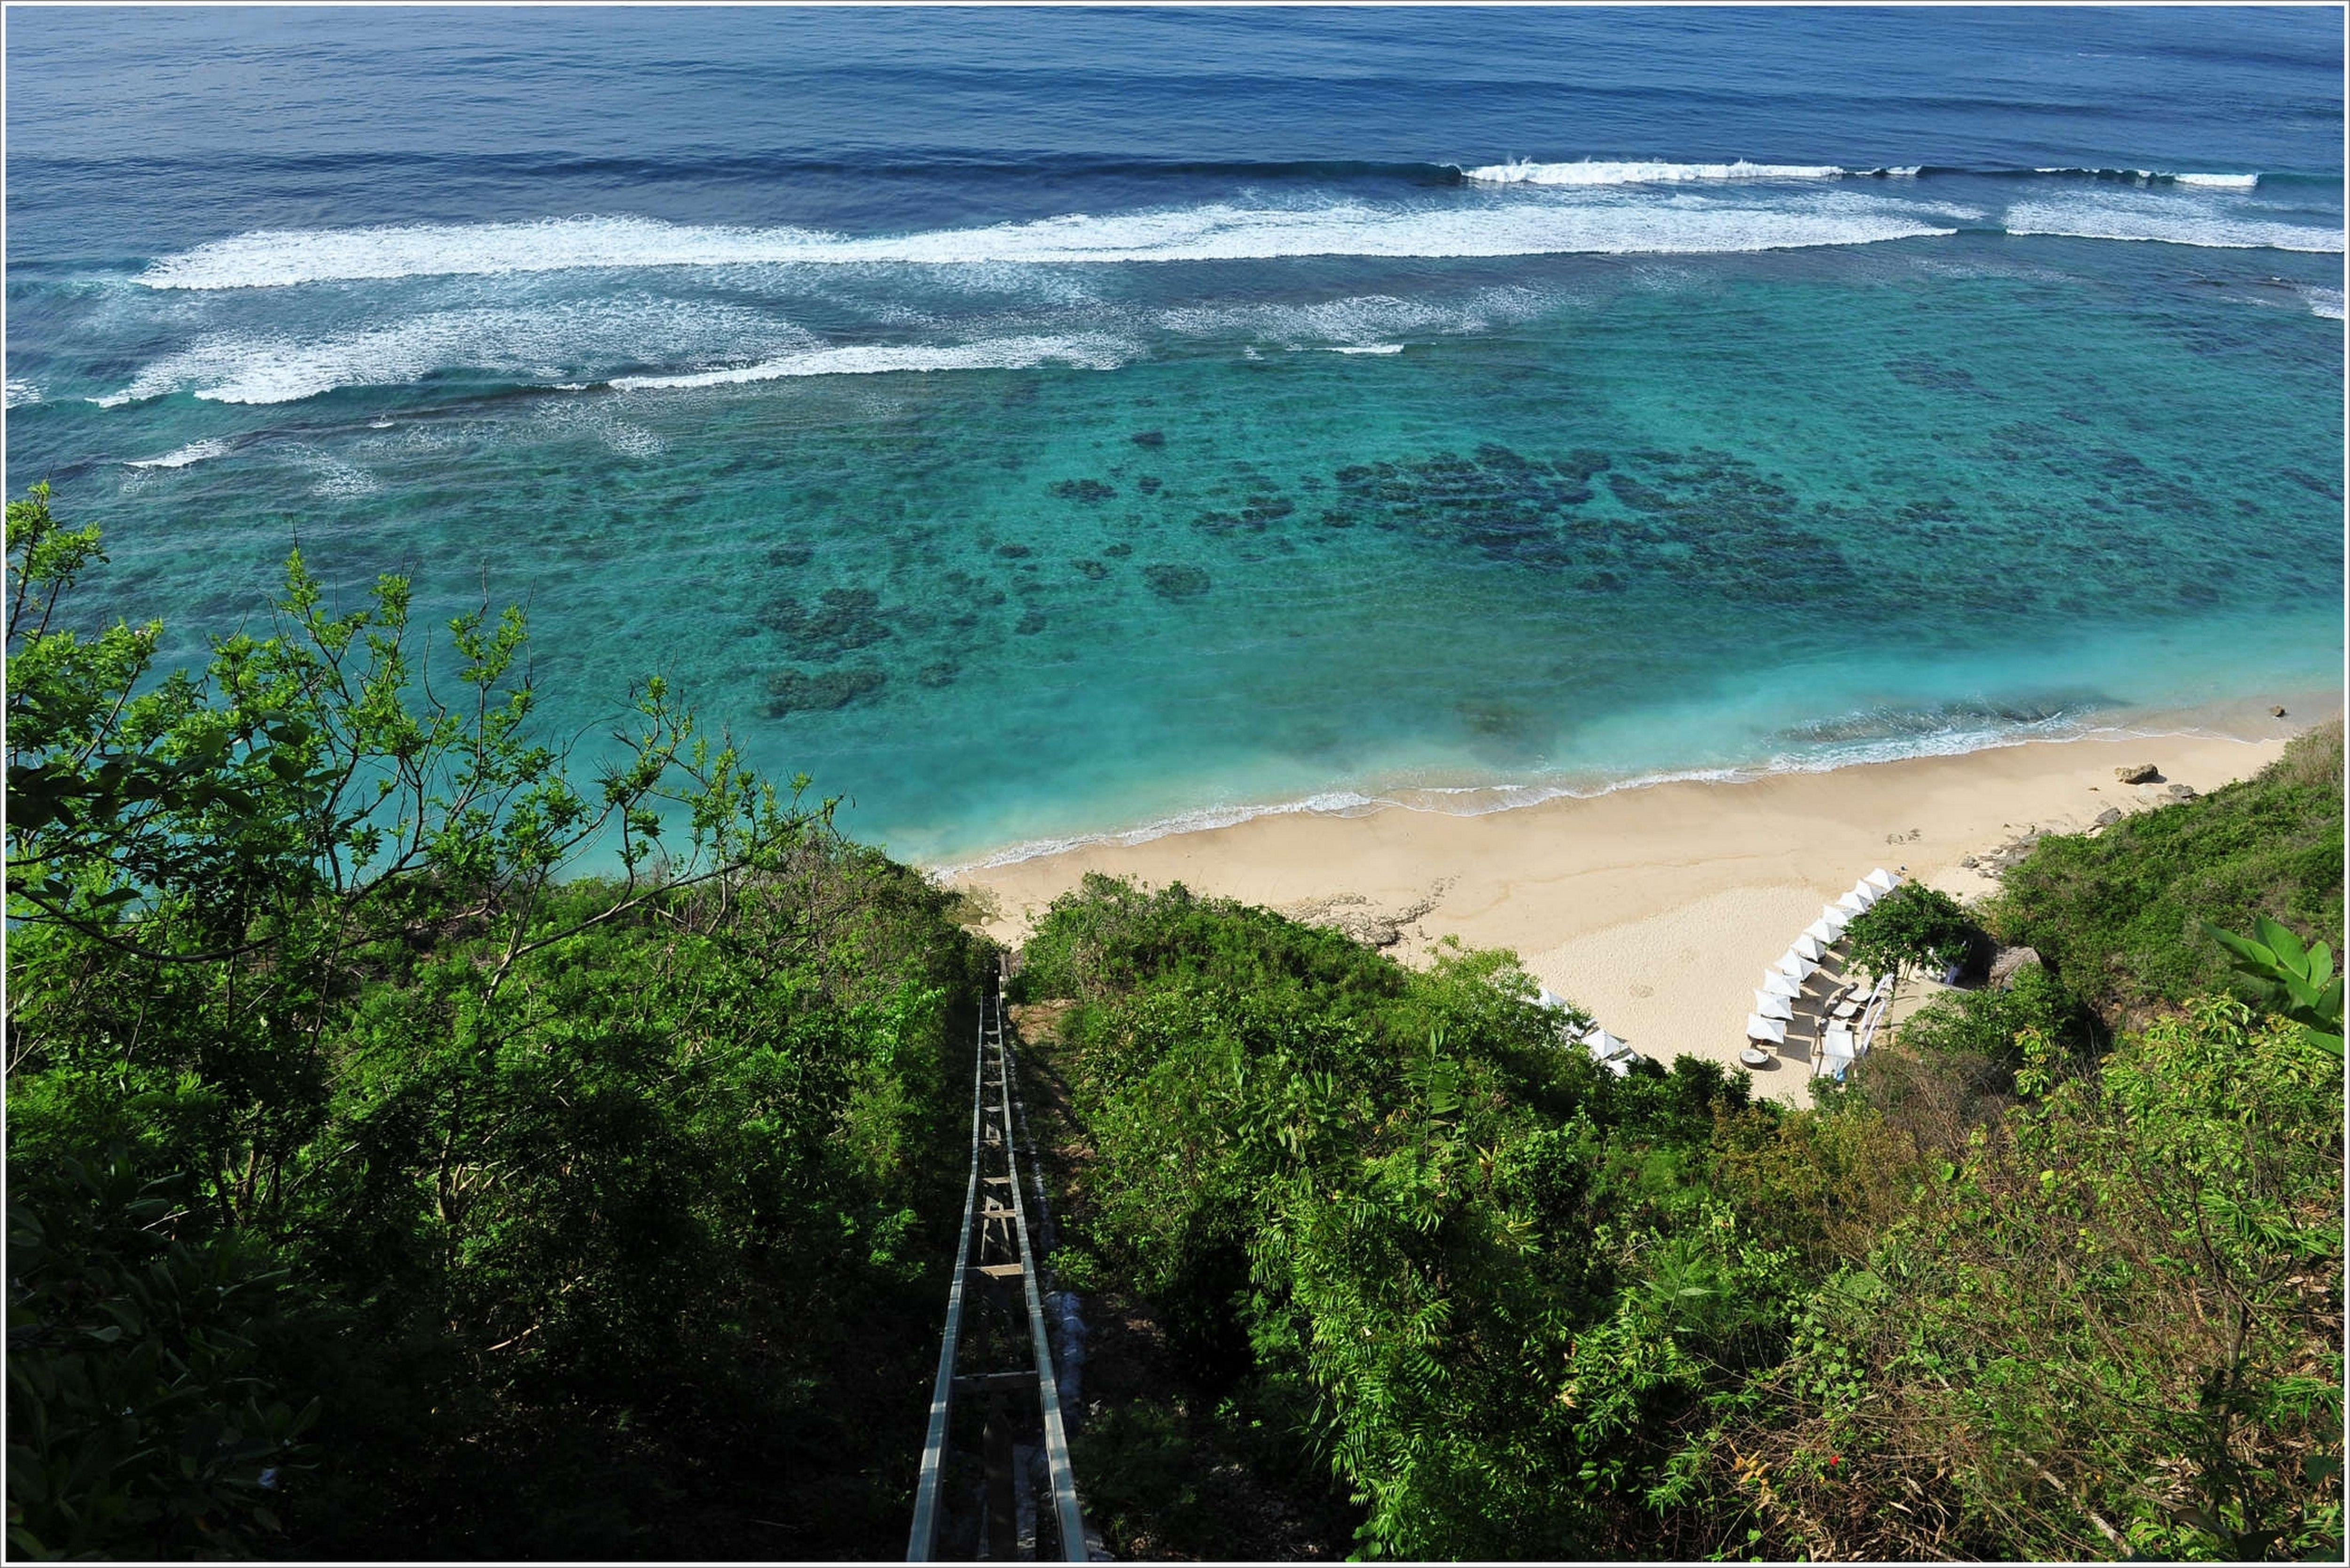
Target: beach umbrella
[(1779, 984), (1864, 892), (1810, 948), (1548, 998), (1822, 932), (1881, 880), (1760, 1028), (1836, 920), (1838, 1045), (1602, 1045), (1767, 1005), (1852, 903), (1795, 966)]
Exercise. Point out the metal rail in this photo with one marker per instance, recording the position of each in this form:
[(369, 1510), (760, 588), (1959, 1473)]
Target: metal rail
[(992, 1134)]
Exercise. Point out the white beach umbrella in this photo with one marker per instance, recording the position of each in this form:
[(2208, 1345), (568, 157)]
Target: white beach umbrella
[(1852, 903), (1838, 1045), (1548, 998), (1779, 984), (1795, 966), (1881, 880), (1769, 1006), (1602, 1045), (1864, 893), (1760, 1028), (1822, 932), (1836, 920), (1809, 945)]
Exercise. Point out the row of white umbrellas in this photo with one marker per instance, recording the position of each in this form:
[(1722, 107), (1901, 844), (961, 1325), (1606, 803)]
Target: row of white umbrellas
[(1783, 982)]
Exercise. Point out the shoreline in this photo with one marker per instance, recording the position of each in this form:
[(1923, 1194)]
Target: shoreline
[(2240, 720), (1656, 906)]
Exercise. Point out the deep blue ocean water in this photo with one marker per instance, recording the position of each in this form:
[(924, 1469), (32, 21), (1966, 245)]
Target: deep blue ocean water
[(1041, 424)]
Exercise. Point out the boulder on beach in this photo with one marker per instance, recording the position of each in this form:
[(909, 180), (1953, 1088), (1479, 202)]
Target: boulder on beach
[(2108, 816), (2143, 772)]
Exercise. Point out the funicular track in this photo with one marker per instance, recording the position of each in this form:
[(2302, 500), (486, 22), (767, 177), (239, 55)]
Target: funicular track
[(996, 1438)]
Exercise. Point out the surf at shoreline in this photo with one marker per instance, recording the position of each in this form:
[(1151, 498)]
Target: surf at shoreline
[(2230, 721)]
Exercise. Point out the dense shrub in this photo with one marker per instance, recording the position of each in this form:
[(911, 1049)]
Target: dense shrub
[(583, 1215), (2120, 916)]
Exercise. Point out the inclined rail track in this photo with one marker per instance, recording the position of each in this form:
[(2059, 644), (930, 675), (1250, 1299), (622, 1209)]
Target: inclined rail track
[(993, 1253)]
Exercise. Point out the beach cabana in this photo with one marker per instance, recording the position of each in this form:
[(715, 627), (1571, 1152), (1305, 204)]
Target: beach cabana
[(1809, 945), (1759, 1028), (1779, 984), (1835, 1048), (1767, 1005), (1881, 880)]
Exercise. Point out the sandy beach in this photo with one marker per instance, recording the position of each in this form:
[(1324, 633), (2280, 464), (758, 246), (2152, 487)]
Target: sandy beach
[(1656, 908)]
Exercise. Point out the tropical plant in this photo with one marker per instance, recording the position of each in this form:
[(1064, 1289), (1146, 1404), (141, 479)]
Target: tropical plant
[(2295, 983)]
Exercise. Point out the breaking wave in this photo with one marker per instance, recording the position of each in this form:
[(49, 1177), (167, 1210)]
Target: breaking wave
[(1618, 222)]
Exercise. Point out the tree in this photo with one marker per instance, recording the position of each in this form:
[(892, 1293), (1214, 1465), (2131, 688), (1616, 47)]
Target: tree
[(1913, 924)]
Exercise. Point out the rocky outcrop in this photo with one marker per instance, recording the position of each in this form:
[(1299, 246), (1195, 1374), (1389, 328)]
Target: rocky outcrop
[(2008, 962), (2142, 773)]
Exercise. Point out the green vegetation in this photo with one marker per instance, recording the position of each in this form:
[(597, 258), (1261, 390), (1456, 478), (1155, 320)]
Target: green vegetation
[(421, 1144), (379, 1184), (1914, 925), (2120, 916), (2294, 982), (2041, 1281)]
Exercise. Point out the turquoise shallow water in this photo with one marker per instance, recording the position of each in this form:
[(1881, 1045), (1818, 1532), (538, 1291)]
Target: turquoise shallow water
[(1159, 539)]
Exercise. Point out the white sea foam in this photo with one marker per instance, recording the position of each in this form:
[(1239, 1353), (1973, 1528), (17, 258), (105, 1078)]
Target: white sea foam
[(1089, 351), (1605, 222), (2324, 302), (233, 368), (187, 456), (20, 392), (2161, 177), (1366, 321), (1600, 172), (335, 477), (2177, 221), (1366, 349)]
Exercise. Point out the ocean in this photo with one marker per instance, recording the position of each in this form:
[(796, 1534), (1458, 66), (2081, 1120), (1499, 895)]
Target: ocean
[(1040, 424)]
